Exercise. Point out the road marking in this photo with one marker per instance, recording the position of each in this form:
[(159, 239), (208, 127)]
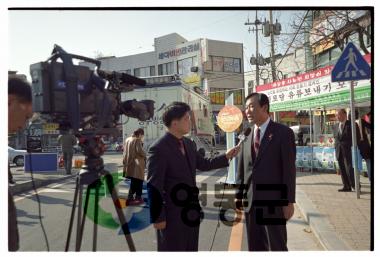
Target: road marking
[(16, 199), (236, 238)]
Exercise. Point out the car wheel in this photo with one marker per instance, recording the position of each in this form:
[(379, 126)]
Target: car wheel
[(19, 160)]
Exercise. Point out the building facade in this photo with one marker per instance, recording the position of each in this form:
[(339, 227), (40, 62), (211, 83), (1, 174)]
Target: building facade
[(216, 67)]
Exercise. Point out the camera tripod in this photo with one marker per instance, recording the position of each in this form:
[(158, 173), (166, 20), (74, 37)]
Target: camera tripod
[(90, 175)]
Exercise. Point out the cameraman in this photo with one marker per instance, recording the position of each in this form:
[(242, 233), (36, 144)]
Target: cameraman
[(19, 111)]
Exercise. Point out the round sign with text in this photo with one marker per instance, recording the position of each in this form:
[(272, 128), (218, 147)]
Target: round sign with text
[(229, 118)]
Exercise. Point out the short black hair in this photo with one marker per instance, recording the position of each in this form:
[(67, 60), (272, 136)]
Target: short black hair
[(138, 132), (174, 111), (263, 99), (20, 88)]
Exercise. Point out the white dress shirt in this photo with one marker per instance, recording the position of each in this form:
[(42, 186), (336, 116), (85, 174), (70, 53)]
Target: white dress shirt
[(263, 127)]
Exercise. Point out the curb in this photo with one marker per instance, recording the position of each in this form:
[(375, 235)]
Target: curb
[(28, 185), (320, 225)]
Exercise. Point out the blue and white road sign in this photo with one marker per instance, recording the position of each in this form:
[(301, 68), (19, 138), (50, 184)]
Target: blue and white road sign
[(350, 66)]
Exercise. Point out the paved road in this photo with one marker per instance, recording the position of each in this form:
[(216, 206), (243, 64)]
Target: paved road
[(56, 204)]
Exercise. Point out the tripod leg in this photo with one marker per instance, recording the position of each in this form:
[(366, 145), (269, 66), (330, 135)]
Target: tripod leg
[(80, 231), (124, 224), (96, 214), (72, 215), (79, 215)]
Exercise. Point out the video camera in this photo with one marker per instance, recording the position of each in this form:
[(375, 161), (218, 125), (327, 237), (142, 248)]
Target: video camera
[(87, 101)]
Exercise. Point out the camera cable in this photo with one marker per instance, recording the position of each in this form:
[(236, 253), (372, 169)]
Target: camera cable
[(38, 198)]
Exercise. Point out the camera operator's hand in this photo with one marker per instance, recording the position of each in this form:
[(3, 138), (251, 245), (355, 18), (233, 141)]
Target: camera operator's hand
[(160, 225)]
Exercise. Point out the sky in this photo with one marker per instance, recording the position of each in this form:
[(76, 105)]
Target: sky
[(33, 33)]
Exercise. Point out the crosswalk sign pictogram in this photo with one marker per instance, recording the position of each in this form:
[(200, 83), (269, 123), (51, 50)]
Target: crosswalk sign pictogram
[(350, 66)]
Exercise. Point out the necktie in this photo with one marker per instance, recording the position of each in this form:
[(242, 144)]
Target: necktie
[(340, 127), (181, 146), (256, 145)]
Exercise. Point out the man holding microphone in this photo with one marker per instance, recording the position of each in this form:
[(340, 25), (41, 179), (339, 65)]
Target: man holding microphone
[(173, 195)]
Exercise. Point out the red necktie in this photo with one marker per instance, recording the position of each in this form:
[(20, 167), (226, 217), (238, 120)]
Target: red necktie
[(256, 144), (181, 146)]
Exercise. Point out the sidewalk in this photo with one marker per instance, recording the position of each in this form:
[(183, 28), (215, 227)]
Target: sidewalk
[(24, 180), (338, 219)]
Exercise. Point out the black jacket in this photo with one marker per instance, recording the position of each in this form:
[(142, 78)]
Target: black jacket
[(170, 172), (274, 165)]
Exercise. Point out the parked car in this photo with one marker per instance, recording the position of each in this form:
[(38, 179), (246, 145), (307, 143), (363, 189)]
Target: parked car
[(16, 156)]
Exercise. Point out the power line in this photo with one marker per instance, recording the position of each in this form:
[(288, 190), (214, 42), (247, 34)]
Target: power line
[(295, 35)]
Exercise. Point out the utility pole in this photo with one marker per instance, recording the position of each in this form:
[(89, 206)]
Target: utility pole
[(256, 29), (272, 62)]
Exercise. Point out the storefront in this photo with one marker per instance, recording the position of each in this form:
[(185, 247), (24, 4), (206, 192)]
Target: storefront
[(315, 93)]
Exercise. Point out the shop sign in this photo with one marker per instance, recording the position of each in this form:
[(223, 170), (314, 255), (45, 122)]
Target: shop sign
[(308, 85), (179, 51)]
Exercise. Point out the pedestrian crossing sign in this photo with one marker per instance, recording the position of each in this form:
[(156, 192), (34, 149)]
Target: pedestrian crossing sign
[(350, 66)]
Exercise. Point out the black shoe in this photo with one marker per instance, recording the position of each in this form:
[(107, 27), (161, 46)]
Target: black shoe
[(344, 190)]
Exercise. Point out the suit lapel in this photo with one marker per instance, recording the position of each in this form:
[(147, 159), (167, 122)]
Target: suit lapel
[(248, 148), (265, 141)]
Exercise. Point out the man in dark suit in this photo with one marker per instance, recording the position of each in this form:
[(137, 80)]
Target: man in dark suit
[(266, 169), (343, 144), (172, 192)]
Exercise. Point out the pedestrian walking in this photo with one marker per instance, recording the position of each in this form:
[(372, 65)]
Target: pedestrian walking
[(67, 141), (134, 159)]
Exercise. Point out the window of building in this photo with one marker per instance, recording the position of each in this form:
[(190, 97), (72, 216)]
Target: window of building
[(323, 59), (238, 97), (237, 66), (224, 64), (184, 66), (166, 68), (136, 72), (152, 71), (335, 53), (144, 71), (217, 63), (217, 96)]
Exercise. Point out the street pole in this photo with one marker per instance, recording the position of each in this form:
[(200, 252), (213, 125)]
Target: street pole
[(274, 76), (256, 30), (354, 142), (257, 51)]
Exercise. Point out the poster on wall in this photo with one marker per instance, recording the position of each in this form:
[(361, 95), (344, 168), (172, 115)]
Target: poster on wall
[(299, 157), (307, 156), (328, 160), (317, 157)]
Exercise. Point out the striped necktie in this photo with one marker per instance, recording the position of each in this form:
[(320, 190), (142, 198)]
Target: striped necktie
[(181, 146), (256, 144)]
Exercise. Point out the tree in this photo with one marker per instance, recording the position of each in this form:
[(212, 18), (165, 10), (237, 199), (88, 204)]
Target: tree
[(333, 26)]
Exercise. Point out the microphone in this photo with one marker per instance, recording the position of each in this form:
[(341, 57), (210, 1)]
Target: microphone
[(243, 137)]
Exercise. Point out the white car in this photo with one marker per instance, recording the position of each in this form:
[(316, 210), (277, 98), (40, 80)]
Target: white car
[(16, 156)]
